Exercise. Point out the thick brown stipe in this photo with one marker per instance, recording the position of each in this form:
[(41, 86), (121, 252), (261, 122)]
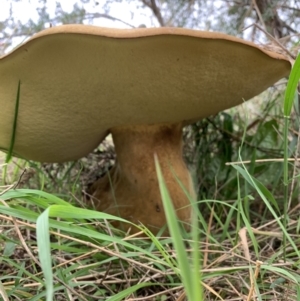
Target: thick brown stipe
[(131, 188)]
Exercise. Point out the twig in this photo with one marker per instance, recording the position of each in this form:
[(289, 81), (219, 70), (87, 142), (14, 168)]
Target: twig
[(15, 186), (261, 161), (259, 15), (253, 279), (156, 11), (98, 15), (272, 39), (205, 257), (244, 243), (7, 189)]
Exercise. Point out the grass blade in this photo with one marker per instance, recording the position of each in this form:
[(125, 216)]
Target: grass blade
[(187, 272), (288, 104), (43, 242), (13, 135), (291, 88)]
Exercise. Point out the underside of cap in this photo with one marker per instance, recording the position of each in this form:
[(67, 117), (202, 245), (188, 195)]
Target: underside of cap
[(78, 82)]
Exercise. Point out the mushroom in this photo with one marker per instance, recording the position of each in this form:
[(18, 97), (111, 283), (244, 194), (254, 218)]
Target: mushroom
[(79, 83)]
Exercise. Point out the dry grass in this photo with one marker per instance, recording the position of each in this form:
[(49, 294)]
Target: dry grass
[(90, 277), (93, 269)]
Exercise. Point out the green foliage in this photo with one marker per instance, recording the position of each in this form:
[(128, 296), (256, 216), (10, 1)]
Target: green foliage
[(218, 140)]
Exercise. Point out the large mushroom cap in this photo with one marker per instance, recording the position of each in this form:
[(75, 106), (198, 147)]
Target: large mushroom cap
[(79, 81)]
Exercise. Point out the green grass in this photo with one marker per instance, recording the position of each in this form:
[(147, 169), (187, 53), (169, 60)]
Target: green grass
[(89, 258), (244, 240)]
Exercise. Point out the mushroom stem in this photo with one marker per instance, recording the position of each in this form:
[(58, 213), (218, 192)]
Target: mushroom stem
[(130, 190)]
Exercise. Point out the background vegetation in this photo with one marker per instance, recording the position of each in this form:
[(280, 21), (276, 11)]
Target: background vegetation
[(241, 208)]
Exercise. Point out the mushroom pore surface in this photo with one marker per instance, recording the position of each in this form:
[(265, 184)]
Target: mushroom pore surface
[(130, 189)]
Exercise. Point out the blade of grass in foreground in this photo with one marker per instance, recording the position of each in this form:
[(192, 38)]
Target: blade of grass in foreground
[(13, 135), (43, 236), (189, 273), (287, 108)]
